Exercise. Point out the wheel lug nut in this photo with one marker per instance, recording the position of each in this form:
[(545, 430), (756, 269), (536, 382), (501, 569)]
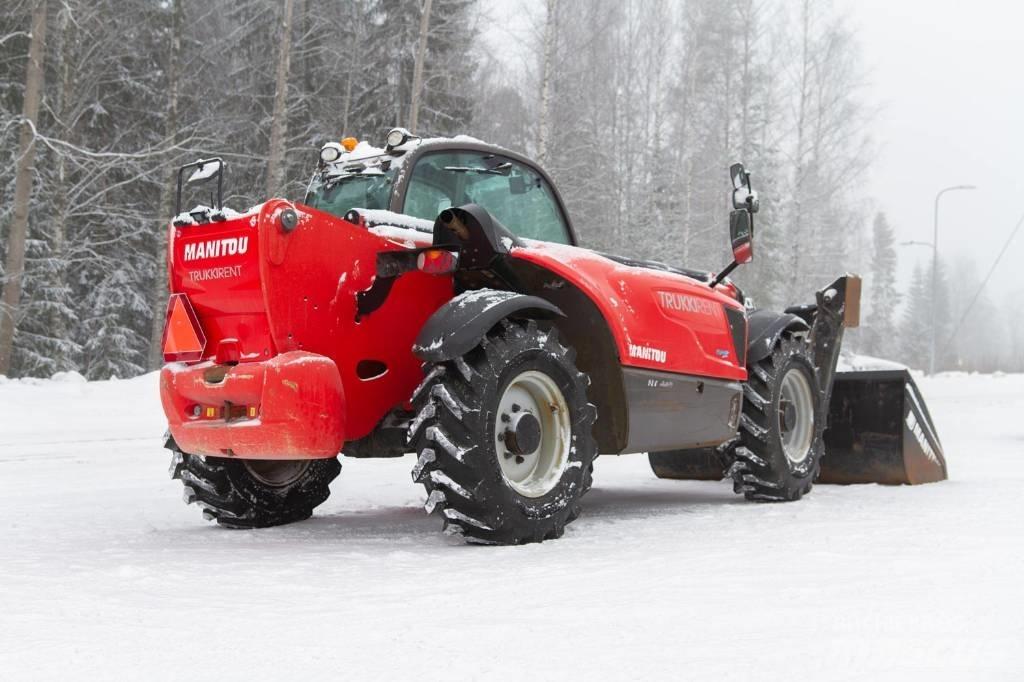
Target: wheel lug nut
[(515, 408), (505, 418), (520, 459)]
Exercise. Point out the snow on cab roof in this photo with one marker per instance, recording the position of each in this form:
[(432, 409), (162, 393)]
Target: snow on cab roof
[(364, 150)]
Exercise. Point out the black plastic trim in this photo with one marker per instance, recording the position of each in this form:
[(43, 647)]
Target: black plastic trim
[(765, 328), (737, 319), (459, 325)]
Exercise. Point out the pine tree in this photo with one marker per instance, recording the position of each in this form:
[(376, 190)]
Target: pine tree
[(882, 294), (914, 326)]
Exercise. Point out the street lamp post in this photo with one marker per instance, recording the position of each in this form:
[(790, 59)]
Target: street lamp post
[(935, 270)]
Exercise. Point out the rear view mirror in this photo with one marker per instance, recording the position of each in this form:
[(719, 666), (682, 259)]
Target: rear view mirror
[(742, 194), (739, 176), (741, 221), (203, 170), (741, 233)]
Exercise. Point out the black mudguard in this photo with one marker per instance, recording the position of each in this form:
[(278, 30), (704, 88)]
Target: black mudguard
[(764, 327), (459, 325)]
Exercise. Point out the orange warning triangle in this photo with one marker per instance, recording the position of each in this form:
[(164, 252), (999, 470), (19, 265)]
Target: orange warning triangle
[(183, 338)]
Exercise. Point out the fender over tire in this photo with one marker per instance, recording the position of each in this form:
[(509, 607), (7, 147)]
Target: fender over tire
[(459, 325), (766, 327)]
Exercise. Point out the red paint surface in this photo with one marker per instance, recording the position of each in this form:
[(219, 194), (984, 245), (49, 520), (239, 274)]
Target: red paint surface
[(299, 399), (287, 307), (650, 309), (297, 292)]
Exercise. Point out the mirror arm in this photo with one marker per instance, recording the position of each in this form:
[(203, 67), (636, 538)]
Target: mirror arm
[(177, 196), (723, 274)]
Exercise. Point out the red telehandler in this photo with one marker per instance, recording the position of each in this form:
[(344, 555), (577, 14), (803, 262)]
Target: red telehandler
[(431, 297)]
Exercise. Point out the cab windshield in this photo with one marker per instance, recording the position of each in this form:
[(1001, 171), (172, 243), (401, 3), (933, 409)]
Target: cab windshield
[(339, 194)]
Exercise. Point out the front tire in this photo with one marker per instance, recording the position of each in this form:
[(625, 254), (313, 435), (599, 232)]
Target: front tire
[(778, 456), (503, 438), (240, 493)]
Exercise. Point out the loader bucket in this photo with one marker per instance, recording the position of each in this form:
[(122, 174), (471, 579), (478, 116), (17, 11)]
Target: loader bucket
[(880, 431)]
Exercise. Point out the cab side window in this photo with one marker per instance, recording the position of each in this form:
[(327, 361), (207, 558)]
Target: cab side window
[(512, 192)]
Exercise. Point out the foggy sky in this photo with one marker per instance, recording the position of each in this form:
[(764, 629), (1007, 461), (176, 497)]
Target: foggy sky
[(946, 78), (947, 74)]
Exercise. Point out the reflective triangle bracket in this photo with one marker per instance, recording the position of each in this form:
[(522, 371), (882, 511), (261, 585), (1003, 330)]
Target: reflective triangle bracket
[(184, 340)]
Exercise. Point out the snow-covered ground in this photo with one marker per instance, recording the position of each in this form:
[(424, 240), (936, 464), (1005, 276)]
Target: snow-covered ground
[(105, 573)]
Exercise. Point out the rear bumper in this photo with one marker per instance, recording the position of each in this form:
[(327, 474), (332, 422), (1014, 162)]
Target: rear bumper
[(298, 400)]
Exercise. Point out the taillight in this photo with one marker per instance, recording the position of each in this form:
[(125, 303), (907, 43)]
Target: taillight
[(184, 340), (437, 261), (226, 411)]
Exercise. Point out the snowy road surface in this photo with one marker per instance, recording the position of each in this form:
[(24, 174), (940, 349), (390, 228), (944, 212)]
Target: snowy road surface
[(106, 574)]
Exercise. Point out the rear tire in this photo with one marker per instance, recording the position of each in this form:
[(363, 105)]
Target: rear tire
[(781, 443), (239, 493), (518, 391)]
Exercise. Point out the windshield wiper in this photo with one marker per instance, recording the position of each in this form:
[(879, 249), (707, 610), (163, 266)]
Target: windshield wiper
[(339, 179), (500, 169)]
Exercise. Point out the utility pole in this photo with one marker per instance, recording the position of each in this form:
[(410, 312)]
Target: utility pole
[(15, 269), (935, 270)]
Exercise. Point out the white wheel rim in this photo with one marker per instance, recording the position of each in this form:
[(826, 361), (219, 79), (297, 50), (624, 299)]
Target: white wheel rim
[(534, 474), (277, 473), (796, 428)]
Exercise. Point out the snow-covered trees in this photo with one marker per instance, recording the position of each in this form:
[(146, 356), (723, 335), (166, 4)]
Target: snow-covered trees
[(640, 107), (131, 89), (881, 292), (636, 107)]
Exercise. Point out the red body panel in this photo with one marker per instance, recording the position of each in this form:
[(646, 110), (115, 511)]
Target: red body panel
[(299, 403), (660, 320), (291, 292), (285, 304), (224, 289)]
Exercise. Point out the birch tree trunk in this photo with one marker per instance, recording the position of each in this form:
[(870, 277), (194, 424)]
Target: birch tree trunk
[(417, 72), (545, 87), (159, 294), (800, 161), (279, 126), (15, 265), (61, 203)]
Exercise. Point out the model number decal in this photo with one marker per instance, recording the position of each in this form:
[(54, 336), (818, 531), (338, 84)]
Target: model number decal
[(685, 303), (647, 353), (214, 248)]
